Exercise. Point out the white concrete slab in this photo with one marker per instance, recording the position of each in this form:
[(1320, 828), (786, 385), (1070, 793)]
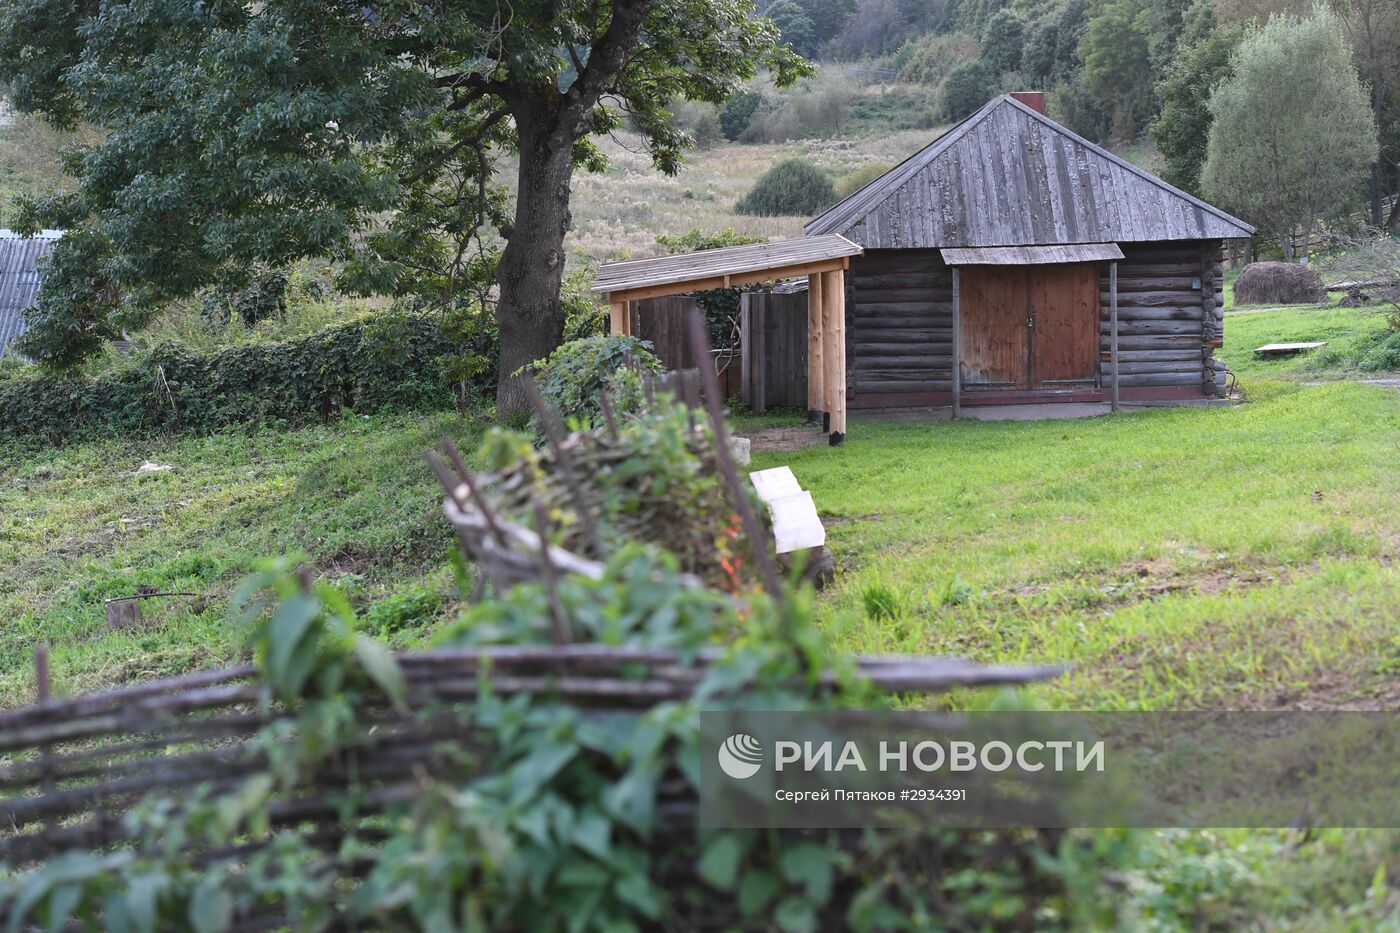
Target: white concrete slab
[(775, 483)]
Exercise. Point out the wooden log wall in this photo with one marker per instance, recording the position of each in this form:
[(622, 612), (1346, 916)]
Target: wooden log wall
[(899, 325), (1170, 314)]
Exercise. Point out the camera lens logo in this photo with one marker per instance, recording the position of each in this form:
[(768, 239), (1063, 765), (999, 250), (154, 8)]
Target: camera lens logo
[(740, 756)]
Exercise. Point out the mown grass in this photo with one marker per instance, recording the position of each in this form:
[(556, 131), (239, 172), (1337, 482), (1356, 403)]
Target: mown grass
[(79, 525), (1177, 558)]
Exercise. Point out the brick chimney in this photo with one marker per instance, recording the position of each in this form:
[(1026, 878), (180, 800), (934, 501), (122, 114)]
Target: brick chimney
[(1032, 99)]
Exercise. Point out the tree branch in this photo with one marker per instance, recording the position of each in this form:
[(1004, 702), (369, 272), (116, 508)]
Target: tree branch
[(474, 139)]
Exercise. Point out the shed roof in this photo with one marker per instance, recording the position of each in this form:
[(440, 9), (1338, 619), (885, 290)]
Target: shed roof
[(19, 279), (1009, 176), (717, 268), (1030, 255)]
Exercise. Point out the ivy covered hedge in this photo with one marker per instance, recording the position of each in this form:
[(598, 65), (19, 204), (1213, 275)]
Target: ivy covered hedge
[(385, 361)]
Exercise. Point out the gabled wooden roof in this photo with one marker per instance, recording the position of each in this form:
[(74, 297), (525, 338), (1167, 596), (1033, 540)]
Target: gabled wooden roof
[(720, 268), (1009, 176)]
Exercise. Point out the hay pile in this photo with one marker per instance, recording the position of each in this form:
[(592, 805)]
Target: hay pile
[(1279, 283)]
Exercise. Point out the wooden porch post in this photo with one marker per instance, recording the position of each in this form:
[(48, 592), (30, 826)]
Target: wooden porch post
[(957, 344), (834, 356), (1113, 328), (620, 318), (816, 397)]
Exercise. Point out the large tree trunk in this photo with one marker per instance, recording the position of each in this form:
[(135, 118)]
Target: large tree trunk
[(532, 266)]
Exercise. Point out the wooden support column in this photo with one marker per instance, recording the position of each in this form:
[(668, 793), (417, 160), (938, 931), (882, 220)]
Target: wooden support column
[(816, 379), (957, 343), (617, 318), (1113, 329), (834, 329)]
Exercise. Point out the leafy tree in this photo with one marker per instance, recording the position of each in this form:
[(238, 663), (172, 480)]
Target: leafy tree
[(241, 133), (1050, 50), (1293, 135), (795, 25), (1183, 125), (793, 186), (736, 112), (1373, 26), (1002, 41), (967, 87), (1117, 66)]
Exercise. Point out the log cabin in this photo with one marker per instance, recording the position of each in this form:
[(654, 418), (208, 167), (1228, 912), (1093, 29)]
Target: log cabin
[(1036, 265)]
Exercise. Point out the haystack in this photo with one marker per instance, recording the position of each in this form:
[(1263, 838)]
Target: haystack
[(1279, 283)]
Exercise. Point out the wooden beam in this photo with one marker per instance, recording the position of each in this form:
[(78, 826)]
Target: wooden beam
[(834, 293), (1113, 329), (746, 360), (831, 357), (617, 317), (728, 281), (816, 398), (957, 342)]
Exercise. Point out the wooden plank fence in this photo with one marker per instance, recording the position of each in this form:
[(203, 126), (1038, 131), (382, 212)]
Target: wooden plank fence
[(774, 337), (662, 322)]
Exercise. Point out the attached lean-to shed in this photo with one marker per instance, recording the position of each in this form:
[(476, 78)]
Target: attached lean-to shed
[(1028, 260), (19, 280)]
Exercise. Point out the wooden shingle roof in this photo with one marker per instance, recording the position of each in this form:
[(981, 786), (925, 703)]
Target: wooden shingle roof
[(1009, 176)]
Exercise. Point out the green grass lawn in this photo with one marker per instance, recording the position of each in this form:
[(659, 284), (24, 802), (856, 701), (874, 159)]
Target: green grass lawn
[(1177, 558), (78, 525), (1343, 329)]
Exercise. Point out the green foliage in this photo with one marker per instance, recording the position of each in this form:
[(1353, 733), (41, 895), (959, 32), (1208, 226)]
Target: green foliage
[(1182, 128), (239, 134), (1292, 134), (1050, 52), (966, 89), (388, 361), (719, 305), (793, 186), (574, 375), (929, 59), (736, 112), (795, 25), (583, 315), (1117, 66), (1003, 39)]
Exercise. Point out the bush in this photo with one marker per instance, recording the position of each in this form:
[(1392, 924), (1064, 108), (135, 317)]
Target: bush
[(967, 88), (790, 187), (735, 113), (385, 361), (572, 376)]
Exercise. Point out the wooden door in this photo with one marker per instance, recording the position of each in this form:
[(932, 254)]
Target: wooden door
[(995, 311), (1064, 325)]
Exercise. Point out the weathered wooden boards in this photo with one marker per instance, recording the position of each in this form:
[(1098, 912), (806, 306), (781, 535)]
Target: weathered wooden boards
[(773, 329), (1287, 349)]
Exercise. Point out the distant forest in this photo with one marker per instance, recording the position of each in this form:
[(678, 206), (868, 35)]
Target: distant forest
[(1114, 70)]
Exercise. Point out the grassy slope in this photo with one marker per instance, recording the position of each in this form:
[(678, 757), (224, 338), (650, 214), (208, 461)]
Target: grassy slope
[(77, 526)]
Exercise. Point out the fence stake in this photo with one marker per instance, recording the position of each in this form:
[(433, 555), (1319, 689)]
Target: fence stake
[(752, 527), (559, 621), (555, 436)]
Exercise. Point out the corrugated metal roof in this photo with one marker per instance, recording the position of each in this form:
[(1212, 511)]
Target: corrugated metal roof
[(1030, 255), (1009, 176), (19, 280), (716, 263)]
